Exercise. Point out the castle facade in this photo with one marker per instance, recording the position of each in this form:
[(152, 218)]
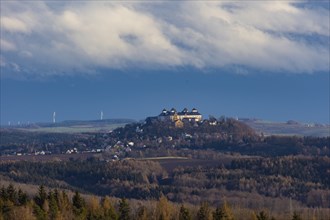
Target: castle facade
[(184, 115)]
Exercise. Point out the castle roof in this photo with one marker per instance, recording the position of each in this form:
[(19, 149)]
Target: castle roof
[(183, 112)]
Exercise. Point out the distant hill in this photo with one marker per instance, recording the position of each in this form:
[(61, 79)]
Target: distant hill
[(95, 123), (288, 128), (74, 126)]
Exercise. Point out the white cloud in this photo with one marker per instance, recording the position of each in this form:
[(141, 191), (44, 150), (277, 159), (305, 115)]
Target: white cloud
[(281, 16), (6, 45), (13, 24), (61, 37), (222, 36), (117, 35)]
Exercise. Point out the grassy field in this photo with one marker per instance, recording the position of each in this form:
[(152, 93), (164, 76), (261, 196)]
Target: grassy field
[(282, 128), (48, 158), (73, 126), (74, 129)]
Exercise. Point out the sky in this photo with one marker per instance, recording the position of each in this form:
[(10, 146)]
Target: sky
[(131, 59)]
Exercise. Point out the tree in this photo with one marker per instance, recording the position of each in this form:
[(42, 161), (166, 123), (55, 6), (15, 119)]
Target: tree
[(95, 211), (39, 213), (296, 216), (7, 208), (3, 193), (64, 205), (184, 213), (218, 214), (22, 197), (262, 216), (108, 209), (78, 203), (41, 196), (142, 213), (53, 206), (163, 208), (204, 212), (11, 193), (227, 213), (223, 213), (253, 216), (124, 210)]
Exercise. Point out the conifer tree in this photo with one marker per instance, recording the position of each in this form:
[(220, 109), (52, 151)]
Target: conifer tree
[(7, 208), (22, 197), (296, 216), (124, 210), (184, 213), (63, 201), (41, 196), (78, 204), (3, 193), (53, 206), (57, 196), (262, 216), (142, 213), (1, 207), (39, 213), (204, 212), (108, 209), (64, 205), (218, 214), (11, 193)]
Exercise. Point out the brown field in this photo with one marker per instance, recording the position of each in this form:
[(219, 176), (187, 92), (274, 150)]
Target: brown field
[(170, 163), (47, 158)]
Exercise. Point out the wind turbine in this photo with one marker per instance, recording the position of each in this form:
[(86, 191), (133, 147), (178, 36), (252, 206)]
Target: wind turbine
[(101, 115), (54, 117)]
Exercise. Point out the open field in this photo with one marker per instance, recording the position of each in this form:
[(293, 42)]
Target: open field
[(47, 158), (75, 129), (171, 163), (282, 128), (73, 126)]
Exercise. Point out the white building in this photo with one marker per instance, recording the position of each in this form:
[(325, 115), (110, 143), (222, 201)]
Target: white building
[(173, 115)]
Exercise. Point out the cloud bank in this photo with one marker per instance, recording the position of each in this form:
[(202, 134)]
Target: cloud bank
[(59, 38)]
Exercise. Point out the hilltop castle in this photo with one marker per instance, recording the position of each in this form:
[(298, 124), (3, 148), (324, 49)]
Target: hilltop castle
[(178, 118), (184, 115)]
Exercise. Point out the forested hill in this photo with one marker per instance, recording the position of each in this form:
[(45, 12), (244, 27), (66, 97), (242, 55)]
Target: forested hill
[(227, 135), (154, 132)]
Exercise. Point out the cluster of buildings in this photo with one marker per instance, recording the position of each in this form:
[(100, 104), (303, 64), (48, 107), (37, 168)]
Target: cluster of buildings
[(180, 117)]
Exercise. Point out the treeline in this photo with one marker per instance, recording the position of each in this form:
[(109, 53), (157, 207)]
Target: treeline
[(129, 178), (302, 179), (312, 170), (56, 204), (14, 141)]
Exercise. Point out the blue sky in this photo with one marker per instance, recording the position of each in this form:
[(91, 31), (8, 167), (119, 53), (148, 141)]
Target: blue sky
[(266, 60)]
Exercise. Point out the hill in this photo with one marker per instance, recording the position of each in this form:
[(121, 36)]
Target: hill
[(74, 126)]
